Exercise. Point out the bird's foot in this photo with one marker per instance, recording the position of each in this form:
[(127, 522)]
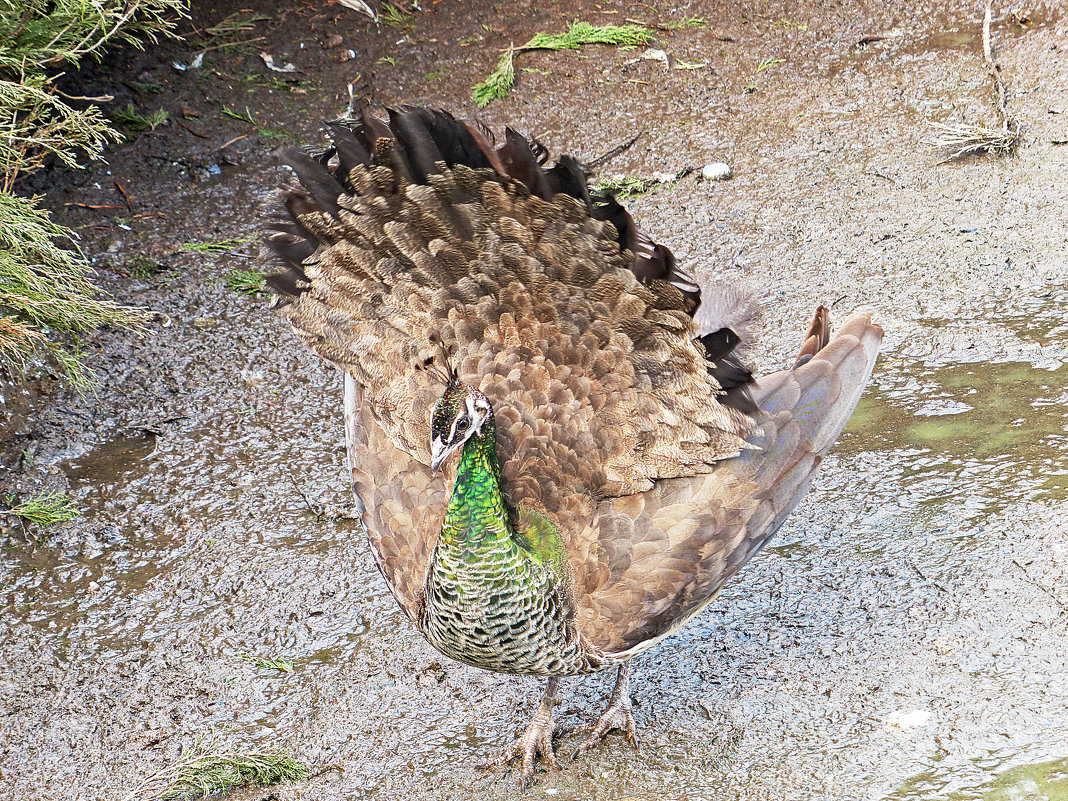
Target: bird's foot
[(535, 741), (619, 715)]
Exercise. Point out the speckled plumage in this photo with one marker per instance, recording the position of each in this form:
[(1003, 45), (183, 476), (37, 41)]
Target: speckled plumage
[(632, 464)]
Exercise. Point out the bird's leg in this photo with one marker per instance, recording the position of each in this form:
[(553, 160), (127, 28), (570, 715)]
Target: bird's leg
[(536, 740), (619, 715)]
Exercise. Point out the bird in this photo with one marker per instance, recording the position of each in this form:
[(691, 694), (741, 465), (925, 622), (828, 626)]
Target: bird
[(558, 452)]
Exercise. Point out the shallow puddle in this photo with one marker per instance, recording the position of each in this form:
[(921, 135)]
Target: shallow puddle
[(114, 461), (1040, 781), (984, 434)]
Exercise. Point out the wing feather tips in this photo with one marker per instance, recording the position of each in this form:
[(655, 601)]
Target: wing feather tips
[(822, 390)]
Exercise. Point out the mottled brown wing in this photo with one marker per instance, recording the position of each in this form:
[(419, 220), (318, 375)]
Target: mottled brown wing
[(662, 555), (417, 237), (402, 505)]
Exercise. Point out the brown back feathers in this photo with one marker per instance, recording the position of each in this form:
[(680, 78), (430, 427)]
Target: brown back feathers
[(416, 235)]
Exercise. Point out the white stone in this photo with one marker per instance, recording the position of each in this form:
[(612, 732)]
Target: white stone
[(907, 719), (716, 171)]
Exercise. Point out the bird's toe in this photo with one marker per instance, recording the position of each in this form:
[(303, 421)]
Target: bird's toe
[(620, 715), (536, 741)]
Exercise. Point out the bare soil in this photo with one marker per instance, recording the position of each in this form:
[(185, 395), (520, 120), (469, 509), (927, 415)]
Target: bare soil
[(905, 638)]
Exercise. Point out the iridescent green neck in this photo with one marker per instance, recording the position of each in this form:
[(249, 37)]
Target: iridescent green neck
[(497, 592), (477, 514)]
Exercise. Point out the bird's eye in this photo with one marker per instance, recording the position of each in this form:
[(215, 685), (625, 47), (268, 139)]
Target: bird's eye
[(461, 424)]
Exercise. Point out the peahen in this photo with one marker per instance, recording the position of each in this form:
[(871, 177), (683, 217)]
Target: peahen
[(559, 455)]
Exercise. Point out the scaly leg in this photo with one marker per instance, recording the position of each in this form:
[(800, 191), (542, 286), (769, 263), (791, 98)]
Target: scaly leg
[(536, 740), (619, 715)]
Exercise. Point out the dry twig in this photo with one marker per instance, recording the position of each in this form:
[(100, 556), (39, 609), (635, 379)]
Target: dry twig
[(960, 139)]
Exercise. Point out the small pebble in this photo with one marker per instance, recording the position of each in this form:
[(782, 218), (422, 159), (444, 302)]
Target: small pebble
[(907, 719), (716, 171)]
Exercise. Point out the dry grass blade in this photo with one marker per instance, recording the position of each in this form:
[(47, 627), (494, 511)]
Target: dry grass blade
[(202, 770), (961, 139)]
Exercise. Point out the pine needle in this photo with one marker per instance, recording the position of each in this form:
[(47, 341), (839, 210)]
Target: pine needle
[(45, 508), (45, 286), (137, 122), (246, 282), (581, 33), (47, 297), (499, 83), (578, 34), (201, 770)]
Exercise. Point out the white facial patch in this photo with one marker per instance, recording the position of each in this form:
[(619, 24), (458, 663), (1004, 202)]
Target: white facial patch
[(478, 410)]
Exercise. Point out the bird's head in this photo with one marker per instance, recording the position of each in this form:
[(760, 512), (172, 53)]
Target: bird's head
[(460, 413)]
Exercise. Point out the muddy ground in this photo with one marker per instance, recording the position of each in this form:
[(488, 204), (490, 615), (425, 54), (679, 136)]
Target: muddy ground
[(904, 638)]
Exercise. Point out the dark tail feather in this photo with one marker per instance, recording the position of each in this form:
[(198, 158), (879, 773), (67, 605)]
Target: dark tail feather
[(652, 261), (817, 336), (292, 252), (351, 152), (520, 163), (569, 177), (410, 130), (416, 140), (316, 179), (454, 142), (373, 128)]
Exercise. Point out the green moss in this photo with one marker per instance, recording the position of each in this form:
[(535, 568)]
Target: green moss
[(221, 246), (393, 17), (129, 117), (246, 282), (204, 769), (267, 663), (627, 188)]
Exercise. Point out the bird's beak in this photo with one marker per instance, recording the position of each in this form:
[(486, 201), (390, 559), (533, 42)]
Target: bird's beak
[(437, 455)]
